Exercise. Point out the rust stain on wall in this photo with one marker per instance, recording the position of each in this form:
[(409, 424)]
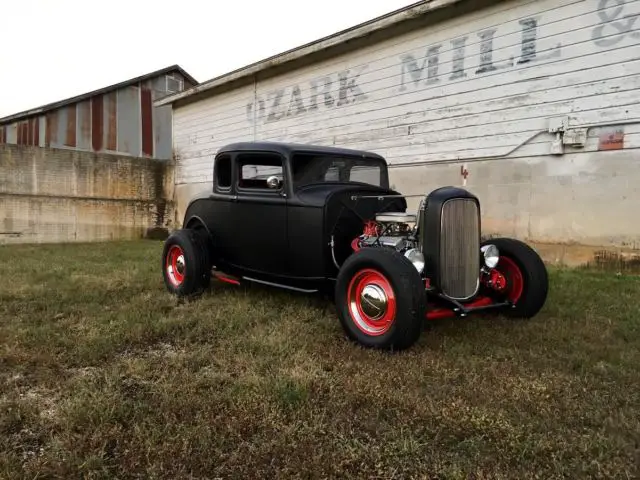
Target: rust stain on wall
[(28, 132), (96, 122), (31, 131), (23, 131)]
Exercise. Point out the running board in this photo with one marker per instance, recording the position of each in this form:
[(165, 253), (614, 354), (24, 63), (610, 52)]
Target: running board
[(279, 285), (225, 278)]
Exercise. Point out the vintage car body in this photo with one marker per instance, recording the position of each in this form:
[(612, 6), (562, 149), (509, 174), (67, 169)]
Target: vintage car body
[(313, 218)]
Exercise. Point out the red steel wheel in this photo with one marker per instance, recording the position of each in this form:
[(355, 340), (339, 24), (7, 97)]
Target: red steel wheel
[(175, 265), (515, 280), (186, 264), (527, 280), (372, 302), (380, 299)]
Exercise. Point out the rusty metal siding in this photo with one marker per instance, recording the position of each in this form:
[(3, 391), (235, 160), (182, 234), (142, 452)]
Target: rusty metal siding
[(20, 140), (31, 132), (28, 132), (97, 106), (24, 132), (128, 121), (122, 121)]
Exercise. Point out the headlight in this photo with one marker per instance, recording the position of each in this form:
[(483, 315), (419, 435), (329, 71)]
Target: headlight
[(491, 255), (416, 258)]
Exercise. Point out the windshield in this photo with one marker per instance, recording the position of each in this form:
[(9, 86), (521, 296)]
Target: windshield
[(320, 168)]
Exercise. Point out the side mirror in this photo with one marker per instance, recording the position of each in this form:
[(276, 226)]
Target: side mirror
[(273, 182)]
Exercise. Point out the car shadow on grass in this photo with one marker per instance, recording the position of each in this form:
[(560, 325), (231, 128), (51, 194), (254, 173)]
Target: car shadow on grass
[(480, 327)]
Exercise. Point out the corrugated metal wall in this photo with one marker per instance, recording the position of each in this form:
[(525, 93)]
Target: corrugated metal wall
[(123, 121)]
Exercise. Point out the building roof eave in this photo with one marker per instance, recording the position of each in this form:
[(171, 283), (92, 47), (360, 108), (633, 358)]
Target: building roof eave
[(79, 98), (248, 72)]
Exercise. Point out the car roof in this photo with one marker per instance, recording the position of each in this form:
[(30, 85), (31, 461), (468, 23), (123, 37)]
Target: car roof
[(290, 148)]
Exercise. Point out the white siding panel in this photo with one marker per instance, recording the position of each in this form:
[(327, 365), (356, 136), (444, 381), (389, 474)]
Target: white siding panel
[(196, 146), (480, 87), (375, 91)]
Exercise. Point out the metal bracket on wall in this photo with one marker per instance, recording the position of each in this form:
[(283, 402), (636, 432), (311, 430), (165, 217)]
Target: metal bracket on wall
[(565, 135)]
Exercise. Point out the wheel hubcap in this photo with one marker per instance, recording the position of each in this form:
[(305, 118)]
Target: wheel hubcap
[(175, 265), (373, 301), (180, 264)]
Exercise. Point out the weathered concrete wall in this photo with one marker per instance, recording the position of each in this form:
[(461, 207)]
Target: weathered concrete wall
[(471, 102), (52, 195)]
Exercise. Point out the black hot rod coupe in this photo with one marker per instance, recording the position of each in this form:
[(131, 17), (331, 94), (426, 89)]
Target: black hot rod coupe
[(313, 218)]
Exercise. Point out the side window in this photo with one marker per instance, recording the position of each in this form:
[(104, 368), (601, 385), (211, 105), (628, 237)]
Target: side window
[(365, 174), (255, 168), (223, 172)]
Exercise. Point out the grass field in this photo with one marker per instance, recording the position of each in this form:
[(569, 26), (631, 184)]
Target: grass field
[(104, 375)]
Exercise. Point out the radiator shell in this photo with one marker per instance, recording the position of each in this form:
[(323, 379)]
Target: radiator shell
[(450, 231)]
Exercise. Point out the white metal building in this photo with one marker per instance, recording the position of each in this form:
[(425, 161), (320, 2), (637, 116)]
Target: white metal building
[(531, 104)]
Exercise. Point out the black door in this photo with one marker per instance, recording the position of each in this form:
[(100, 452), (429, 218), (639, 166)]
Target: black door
[(259, 222)]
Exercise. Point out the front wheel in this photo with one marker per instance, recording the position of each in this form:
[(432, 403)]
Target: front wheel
[(380, 299), (527, 280), (186, 264)]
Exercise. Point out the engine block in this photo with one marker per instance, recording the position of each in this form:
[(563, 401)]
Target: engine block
[(391, 230)]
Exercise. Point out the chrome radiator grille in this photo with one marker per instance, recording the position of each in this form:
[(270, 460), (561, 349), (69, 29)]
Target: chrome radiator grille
[(459, 248)]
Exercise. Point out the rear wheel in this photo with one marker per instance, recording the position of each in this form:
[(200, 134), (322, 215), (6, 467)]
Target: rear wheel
[(527, 280), (186, 264), (380, 299)]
